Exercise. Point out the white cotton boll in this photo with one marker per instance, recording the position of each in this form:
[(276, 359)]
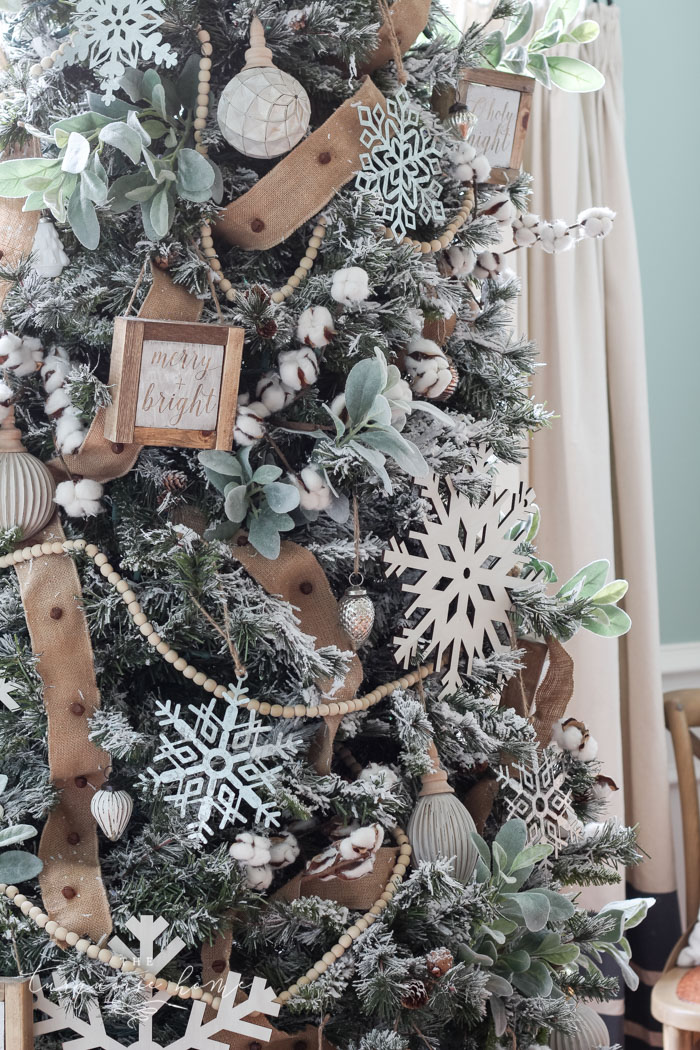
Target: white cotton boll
[(250, 849), (400, 396), (69, 430), (53, 372), (272, 392), (526, 229), (603, 788), (258, 878), (596, 222), (72, 496), (87, 489), (428, 367), (31, 344), (460, 260), (57, 402), (501, 208), (488, 265), (314, 492), (8, 344), (589, 751), (315, 327), (243, 399), (556, 237), (363, 838), (250, 426), (298, 368), (350, 285), (690, 955), (284, 850), (481, 166), (567, 733), (375, 772), (6, 392)]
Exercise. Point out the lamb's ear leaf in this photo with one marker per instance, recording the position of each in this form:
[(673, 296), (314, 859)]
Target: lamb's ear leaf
[(17, 866), (16, 833)]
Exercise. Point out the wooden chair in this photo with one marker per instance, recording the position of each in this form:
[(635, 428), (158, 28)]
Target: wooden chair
[(681, 1019)]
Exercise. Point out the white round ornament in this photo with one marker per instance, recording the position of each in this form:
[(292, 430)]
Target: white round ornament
[(263, 111), (48, 255), (26, 486)]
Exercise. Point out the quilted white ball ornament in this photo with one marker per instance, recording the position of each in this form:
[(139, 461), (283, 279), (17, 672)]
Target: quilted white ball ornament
[(263, 111)]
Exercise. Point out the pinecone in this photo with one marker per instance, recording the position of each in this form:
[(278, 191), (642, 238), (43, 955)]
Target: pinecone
[(439, 961), (298, 25), (174, 481), (416, 996), (164, 260), (267, 329)]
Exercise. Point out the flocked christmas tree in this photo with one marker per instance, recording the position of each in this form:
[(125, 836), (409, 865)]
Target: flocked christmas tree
[(381, 855)]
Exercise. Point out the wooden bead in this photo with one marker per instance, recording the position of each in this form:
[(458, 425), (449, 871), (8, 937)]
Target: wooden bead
[(145, 628), (47, 62), (231, 294), (345, 941), (205, 63), (209, 685), (91, 550), (353, 932), (264, 708), (328, 958), (114, 578), (435, 245), (303, 981), (51, 927), (128, 966), (189, 671), (82, 945), (200, 678), (219, 691), (154, 639), (100, 559), (19, 899), (128, 596), (172, 988), (204, 76), (149, 979), (196, 992), (93, 951), (313, 974), (207, 997), (203, 36), (203, 98), (224, 284), (116, 962), (200, 123), (276, 710), (27, 907), (311, 252), (315, 242), (41, 919), (338, 951), (134, 608), (162, 648), (207, 48), (207, 242), (60, 933), (72, 939), (277, 297), (202, 111), (294, 281), (319, 231), (161, 984)]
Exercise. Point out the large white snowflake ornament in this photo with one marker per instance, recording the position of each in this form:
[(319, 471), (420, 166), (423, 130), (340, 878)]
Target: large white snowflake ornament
[(534, 793), (199, 1035), (464, 584), (216, 766), (113, 34), (401, 164)]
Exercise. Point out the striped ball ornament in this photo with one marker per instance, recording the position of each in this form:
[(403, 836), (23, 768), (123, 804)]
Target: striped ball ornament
[(26, 486), (112, 809), (591, 1032)]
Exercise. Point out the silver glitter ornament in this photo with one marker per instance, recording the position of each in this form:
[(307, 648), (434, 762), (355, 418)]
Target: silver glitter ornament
[(460, 120), (356, 612)]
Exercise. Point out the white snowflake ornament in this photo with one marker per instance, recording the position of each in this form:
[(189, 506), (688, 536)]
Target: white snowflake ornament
[(230, 1018), (464, 585), (401, 164), (216, 767), (110, 35), (535, 794)]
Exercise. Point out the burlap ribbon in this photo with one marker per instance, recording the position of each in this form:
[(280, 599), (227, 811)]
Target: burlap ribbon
[(543, 698), (439, 329), (409, 18), (298, 577), (300, 185)]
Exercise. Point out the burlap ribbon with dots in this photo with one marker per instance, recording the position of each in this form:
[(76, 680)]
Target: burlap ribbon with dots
[(301, 183), (407, 20)]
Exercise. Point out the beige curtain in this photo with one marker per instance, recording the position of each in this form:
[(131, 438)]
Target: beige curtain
[(592, 471)]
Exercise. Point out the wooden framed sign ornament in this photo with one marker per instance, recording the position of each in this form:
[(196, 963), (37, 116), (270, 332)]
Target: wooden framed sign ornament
[(173, 383), (502, 103)]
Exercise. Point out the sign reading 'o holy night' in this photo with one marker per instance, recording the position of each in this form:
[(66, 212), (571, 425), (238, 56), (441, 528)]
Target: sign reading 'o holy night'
[(501, 103), (173, 383)]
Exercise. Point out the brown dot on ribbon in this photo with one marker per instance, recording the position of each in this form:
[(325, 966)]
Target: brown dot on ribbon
[(68, 892), (257, 225), (72, 838), (56, 612)]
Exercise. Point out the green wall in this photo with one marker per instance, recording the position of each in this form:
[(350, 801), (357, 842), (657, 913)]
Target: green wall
[(663, 141)]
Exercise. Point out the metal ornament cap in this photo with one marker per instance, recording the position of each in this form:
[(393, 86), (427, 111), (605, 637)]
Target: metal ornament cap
[(356, 610)]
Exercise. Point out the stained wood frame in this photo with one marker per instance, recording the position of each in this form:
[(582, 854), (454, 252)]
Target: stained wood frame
[(130, 333), (509, 82), (16, 1013)]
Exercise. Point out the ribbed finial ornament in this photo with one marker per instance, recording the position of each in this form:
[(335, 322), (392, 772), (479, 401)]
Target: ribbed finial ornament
[(440, 826), (112, 808), (26, 486), (263, 111), (591, 1031)]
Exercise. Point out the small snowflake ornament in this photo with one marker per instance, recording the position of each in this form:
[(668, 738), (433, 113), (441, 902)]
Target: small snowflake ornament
[(464, 585), (92, 1034), (535, 794), (112, 34), (215, 767), (401, 164)]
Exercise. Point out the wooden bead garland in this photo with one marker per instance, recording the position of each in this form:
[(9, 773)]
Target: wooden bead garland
[(171, 656), (443, 240), (117, 962)]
